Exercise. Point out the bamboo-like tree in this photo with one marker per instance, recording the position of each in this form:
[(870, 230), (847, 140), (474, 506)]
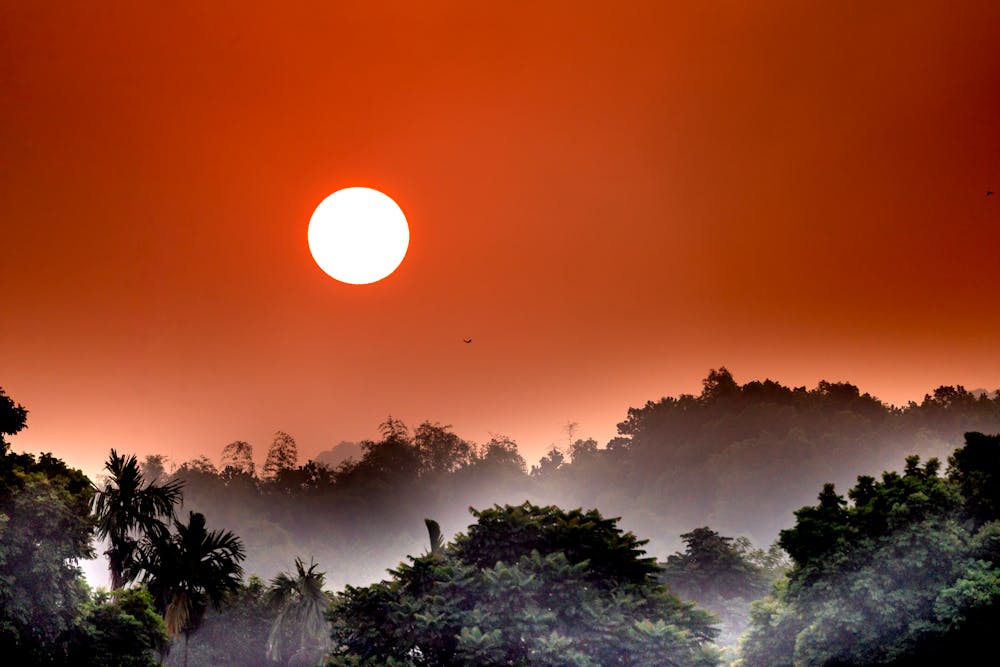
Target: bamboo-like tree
[(128, 509), (188, 570), (283, 455), (301, 604)]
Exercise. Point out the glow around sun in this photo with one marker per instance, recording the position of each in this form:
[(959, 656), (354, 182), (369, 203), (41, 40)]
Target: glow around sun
[(358, 235)]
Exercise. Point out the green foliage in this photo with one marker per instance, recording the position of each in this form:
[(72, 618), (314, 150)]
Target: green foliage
[(711, 569), (507, 533), (47, 616), (526, 585), (721, 575), (906, 573), (45, 528), (122, 630)]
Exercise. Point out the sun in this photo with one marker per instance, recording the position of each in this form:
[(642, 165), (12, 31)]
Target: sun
[(358, 235)]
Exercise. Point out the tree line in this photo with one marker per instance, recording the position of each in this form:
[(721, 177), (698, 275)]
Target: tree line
[(721, 458), (903, 567)]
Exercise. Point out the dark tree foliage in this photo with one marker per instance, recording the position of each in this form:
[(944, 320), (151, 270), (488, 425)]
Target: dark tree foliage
[(130, 508), (13, 418), (47, 616), (282, 455), (237, 458), (440, 450), (45, 528), (720, 458), (906, 573), (505, 534), (723, 575), (527, 585), (188, 570), (712, 569), (118, 631)]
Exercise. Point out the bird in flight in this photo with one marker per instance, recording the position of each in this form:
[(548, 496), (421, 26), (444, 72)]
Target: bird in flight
[(466, 340)]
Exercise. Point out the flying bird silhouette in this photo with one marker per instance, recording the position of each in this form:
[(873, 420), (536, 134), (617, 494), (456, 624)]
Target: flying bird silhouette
[(466, 340)]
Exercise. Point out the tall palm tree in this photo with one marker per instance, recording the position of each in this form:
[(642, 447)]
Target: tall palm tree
[(187, 571), (301, 603), (128, 509)]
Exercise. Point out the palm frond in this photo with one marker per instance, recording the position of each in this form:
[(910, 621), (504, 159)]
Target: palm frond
[(434, 532)]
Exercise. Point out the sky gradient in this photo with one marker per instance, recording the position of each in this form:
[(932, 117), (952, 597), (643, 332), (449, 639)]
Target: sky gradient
[(608, 200)]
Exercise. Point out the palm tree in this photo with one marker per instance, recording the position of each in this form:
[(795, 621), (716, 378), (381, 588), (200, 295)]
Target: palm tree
[(128, 509), (187, 571), (434, 533), (301, 603)]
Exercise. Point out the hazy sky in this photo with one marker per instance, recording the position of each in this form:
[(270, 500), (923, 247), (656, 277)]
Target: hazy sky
[(608, 198)]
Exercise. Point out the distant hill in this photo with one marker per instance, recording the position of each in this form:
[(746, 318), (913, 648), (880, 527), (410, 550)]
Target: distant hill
[(339, 453)]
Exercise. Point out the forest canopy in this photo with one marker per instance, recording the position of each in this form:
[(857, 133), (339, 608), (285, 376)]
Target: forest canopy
[(719, 459), (903, 567)]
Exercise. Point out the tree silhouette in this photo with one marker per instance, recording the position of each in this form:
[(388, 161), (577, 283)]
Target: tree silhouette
[(237, 458), (188, 570), (440, 450), (283, 455), (13, 417), (129, 508)]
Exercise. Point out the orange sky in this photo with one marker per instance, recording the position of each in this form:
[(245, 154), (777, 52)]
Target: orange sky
[(609, 201)]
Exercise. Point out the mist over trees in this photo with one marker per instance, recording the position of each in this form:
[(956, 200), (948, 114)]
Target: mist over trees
[(903, 567), (720, 459), (526, 585), (904, 571)]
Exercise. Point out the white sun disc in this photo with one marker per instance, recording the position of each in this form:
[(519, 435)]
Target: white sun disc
[(358, 235)]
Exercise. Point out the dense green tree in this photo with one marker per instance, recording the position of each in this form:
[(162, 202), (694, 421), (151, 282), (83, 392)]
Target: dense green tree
[(122, 630), (718, 574), (906, 571), (129, 508), (301, 604), (187, 570), (526, 585), (45, 529)]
